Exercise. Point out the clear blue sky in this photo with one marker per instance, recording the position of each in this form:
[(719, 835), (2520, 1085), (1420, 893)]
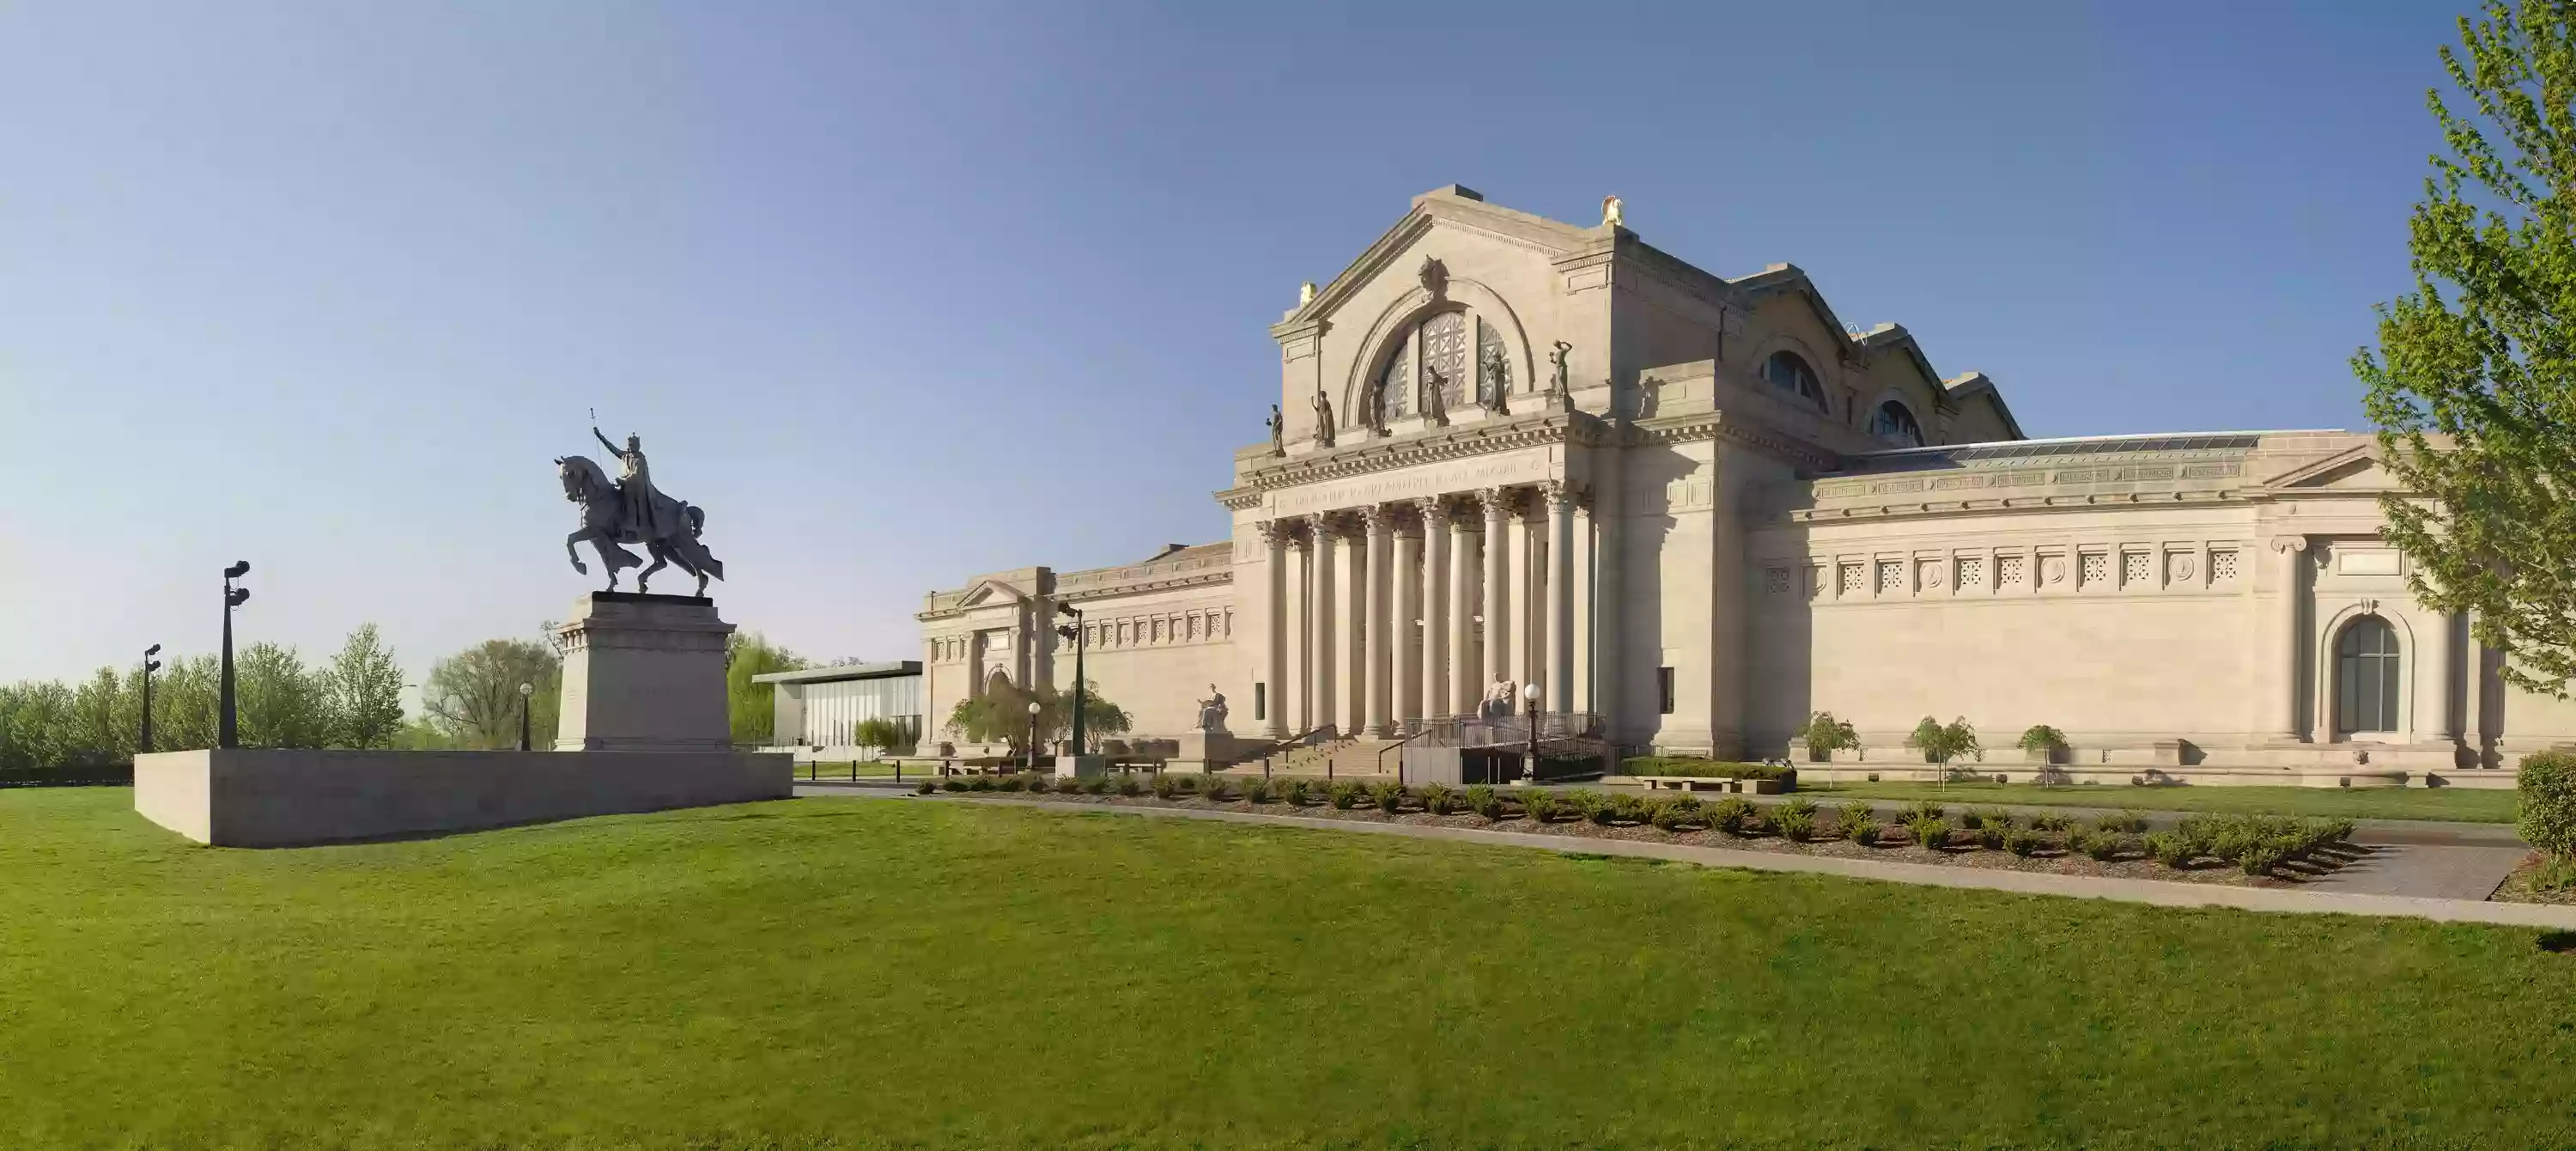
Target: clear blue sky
[(904, 294)]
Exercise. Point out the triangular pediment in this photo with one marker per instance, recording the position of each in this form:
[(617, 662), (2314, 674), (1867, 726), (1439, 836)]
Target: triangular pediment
[(987, 592), (1453, 208), (2355, 468)]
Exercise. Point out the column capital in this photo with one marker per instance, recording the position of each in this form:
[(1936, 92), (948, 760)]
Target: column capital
[(1275, 531), (1496, 501), (1435, 511), (2287, 544), (1377, 519), (1560, 495)]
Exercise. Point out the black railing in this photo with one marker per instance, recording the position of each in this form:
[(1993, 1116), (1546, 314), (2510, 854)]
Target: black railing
[(1496, 730)]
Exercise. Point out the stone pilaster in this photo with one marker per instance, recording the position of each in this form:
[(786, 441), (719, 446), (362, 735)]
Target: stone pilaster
[(2286, 626)]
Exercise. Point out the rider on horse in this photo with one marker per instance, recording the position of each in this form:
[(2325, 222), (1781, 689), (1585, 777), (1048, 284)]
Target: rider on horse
[(635, 491)]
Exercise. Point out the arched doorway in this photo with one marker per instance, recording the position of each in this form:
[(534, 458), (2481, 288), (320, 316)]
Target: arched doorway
[(2367, 674)]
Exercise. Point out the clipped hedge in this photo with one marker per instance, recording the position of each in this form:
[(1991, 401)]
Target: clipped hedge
[(2547, 794)]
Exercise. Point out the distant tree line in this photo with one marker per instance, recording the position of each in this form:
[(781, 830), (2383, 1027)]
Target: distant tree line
[(352, 700)]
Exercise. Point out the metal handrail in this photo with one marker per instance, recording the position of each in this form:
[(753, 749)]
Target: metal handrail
[(1280, 745), (1399, 744)]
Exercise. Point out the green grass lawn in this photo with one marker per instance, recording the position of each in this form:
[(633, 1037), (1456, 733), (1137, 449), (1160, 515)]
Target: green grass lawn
[(2454, 803), (922, 972)]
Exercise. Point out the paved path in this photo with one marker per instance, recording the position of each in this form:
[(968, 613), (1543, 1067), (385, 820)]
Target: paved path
[(2308, 900)]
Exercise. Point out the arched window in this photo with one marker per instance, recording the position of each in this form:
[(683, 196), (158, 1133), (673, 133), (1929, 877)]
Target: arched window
[(1891, 422), (1434, 349), (2366, 667), (1792, 375)]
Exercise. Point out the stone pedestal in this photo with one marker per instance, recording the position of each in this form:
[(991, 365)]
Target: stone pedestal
[(644, 673)]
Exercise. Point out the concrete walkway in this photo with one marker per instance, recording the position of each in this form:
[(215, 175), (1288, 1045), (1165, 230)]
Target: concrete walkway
[(2159, 892)]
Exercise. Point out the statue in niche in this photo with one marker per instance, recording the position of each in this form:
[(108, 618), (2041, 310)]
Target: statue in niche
[(1373, 409), (1212, 711), (1323, 419), (1278, 432), (1435, 401), (1558, 358), (1498, 382)]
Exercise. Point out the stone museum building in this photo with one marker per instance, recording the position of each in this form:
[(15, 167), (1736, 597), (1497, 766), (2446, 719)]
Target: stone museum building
[(1693, 510)]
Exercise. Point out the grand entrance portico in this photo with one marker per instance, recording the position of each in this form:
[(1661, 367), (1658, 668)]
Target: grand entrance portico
[(1423, 590)]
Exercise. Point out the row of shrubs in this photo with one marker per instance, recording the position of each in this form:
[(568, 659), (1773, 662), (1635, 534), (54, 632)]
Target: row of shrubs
[(2255, 843)]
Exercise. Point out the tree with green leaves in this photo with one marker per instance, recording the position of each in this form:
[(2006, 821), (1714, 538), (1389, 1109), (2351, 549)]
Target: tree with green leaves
[(280, 701), (1942, 742), (364, 686), (752, 706), (1825, 734), (2473, 385), (472, 698), (1001, 714)]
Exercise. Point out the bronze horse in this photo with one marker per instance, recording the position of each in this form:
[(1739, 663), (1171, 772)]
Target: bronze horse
[(603, 523)]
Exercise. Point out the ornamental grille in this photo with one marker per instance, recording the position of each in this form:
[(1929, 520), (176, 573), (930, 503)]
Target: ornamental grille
[(1855, 581), (1891, 579), (1972, 571), (2222, 566), (2097, 569), (2008, 571), (2134, 569), (1776, 581)]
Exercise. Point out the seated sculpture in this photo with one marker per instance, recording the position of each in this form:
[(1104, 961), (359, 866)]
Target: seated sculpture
[(1212, 710), (1498, 699)]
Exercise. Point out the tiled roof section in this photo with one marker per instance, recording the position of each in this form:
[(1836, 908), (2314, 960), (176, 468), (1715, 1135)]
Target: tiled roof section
[(2030, 453)]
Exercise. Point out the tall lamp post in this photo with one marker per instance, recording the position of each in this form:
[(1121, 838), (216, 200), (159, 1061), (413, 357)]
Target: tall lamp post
[(525, 692), (143, 746), (227, 728), (1081, 687), (1033, 735), (1530, 692)]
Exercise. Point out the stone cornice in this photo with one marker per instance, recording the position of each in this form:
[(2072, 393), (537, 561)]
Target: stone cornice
[(1720, 424), (1363, 457)]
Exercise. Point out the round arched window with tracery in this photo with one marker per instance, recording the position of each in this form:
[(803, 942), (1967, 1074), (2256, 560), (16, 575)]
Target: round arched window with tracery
[(1433, 350)]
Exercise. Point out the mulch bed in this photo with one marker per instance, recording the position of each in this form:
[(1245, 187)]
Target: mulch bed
[(2050, 860), (2517, 887)]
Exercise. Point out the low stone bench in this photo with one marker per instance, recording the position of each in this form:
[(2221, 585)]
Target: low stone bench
[(1729, 784)]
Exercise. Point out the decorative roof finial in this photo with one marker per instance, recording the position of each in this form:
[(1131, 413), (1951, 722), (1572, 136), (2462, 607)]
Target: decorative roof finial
[(1305, 293), (1610, 213)]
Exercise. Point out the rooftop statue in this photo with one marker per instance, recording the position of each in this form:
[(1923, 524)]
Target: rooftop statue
[(629, 510)]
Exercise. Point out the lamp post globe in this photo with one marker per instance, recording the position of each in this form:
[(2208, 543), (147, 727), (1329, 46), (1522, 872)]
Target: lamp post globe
[(1033, 734), (526, 692)]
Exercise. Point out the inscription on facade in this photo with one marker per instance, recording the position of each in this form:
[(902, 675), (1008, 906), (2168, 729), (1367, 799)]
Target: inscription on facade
[(1464, 476)]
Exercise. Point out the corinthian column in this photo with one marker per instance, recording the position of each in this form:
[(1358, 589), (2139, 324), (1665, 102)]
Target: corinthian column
[(1320, 649), (2289, 645), (1560, 595), (1498, 575), (1274, 540), (1405, 629), (1375, 643), (1464, 571), (1435, 609)]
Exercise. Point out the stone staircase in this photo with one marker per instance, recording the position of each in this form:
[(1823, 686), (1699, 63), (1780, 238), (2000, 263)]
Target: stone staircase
[(1345, 756)]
